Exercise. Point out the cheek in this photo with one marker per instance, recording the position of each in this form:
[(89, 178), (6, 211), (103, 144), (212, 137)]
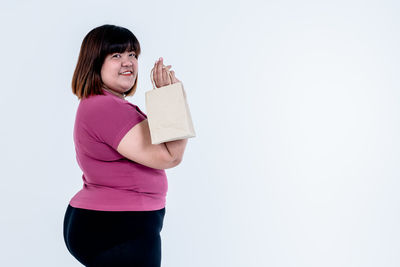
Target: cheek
[(109, 72)]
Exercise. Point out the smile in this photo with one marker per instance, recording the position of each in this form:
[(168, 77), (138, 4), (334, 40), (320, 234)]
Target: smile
[(127, 74)]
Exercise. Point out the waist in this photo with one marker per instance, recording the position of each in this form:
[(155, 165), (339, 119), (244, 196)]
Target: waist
[(95, 197)]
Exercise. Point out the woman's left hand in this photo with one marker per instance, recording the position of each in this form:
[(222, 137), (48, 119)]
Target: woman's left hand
[(161, 74)]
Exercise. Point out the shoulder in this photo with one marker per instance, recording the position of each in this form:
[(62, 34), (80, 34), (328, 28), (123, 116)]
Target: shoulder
[(99, 103), (107, 108), (97, 100)]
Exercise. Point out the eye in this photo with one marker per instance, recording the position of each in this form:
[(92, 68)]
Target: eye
[(115, 55), (133, 54)]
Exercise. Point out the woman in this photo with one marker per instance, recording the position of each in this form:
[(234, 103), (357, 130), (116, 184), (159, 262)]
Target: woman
[(116, 218)]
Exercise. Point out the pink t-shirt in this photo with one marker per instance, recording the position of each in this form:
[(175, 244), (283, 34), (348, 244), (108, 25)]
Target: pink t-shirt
[(112, 182)]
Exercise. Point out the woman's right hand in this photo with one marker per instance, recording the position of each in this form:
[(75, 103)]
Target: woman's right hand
[(161, 76)]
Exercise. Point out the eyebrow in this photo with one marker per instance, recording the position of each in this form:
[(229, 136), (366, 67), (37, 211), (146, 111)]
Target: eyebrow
[(123, 52)]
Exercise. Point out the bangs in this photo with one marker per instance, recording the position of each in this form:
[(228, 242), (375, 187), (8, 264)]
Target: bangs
[(119, 40), (128, 46)]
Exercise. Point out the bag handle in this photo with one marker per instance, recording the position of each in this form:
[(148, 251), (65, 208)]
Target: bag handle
[(152, 80)]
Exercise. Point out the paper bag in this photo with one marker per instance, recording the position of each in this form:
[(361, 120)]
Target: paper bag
[(168, 113)]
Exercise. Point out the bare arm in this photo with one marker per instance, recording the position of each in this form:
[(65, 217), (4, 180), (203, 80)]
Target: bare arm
[(176, 149)]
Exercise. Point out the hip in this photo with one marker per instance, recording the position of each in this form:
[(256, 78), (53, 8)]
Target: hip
[(88, 232)]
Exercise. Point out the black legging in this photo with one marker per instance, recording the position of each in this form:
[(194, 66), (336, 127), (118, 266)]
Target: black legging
[(114, 238)]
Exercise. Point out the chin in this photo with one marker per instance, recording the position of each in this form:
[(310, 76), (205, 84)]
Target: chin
[(126, 88)]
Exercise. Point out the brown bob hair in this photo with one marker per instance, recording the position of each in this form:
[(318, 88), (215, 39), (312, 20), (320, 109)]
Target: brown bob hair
[(96, 45)]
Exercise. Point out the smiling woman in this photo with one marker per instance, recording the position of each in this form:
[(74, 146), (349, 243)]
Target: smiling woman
[(117, 217), (117, 51), (119, 72)]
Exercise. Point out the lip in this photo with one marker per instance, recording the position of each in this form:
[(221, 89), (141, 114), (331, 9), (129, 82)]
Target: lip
[(127, 75), (126, 71)]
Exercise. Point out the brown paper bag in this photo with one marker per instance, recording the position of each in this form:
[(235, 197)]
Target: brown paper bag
[(168, 113)]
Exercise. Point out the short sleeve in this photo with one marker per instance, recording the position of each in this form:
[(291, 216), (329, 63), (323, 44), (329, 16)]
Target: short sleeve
[(110, 119)]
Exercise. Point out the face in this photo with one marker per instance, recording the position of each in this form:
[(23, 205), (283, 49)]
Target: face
[(114, 72)]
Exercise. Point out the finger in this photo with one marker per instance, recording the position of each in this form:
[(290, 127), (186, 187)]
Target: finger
[(160, 72), (174, 79), (167, 69), (156, 74), (173, 76), (169, 77), (165, 75)]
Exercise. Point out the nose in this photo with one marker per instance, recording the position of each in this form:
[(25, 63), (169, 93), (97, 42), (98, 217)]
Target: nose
[(127, 62)]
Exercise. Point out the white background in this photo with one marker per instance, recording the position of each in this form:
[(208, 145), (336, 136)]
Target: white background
[(296, 110)]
